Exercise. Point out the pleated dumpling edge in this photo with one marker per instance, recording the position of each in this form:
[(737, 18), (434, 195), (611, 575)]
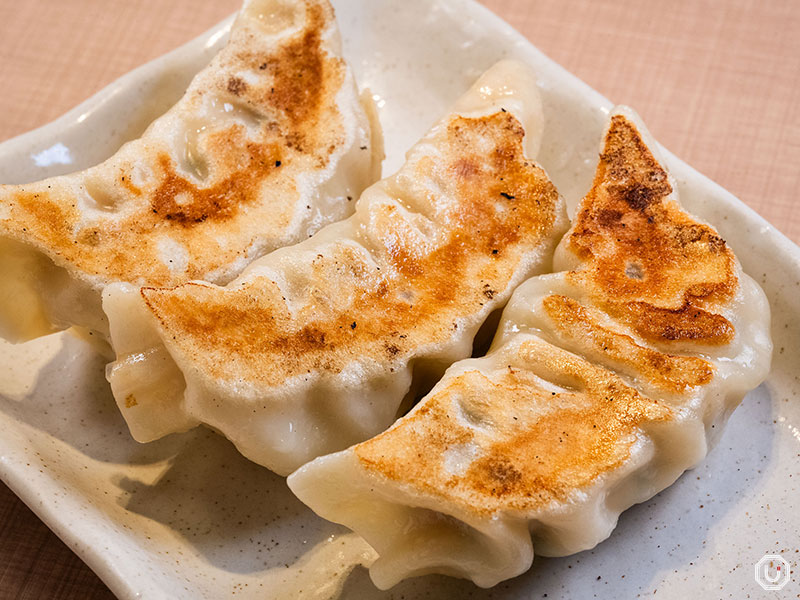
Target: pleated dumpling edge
[(603, 384), (315, 346), (269, 143)]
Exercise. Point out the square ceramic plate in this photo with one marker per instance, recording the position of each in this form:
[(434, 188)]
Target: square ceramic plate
[(187, 517)]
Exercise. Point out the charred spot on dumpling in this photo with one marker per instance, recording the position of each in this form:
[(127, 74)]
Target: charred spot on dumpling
[(607, 217), (236, 85), (638, 196)]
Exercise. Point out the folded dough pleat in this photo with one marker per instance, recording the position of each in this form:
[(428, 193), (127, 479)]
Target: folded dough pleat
[(269, 143), (314, 346), (603, 384)]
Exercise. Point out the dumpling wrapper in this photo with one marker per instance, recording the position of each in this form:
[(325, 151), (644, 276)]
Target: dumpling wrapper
[(602, 386), (315, 346), (269, 143)]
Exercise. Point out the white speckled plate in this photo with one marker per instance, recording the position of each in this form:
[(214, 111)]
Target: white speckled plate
[(187, 517)]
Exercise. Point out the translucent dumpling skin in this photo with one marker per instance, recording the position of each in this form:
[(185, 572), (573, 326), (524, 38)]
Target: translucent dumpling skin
[(604, 383)]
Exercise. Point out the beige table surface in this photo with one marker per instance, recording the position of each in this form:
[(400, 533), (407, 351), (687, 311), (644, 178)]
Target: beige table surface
[(717, 82)]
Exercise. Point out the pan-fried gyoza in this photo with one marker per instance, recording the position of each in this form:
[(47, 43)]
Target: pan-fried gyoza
[(269, 143), (604, 383), (314, 346)]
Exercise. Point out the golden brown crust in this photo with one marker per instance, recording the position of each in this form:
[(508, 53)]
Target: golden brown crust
[(582, 325), (220, 201), (423, 275), (233, 188), (300, 74), (535, 446), (687, 323), (551, 424), (643, 258)]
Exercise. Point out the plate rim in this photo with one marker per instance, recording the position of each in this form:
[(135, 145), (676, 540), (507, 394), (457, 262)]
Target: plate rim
[(15, 479)]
